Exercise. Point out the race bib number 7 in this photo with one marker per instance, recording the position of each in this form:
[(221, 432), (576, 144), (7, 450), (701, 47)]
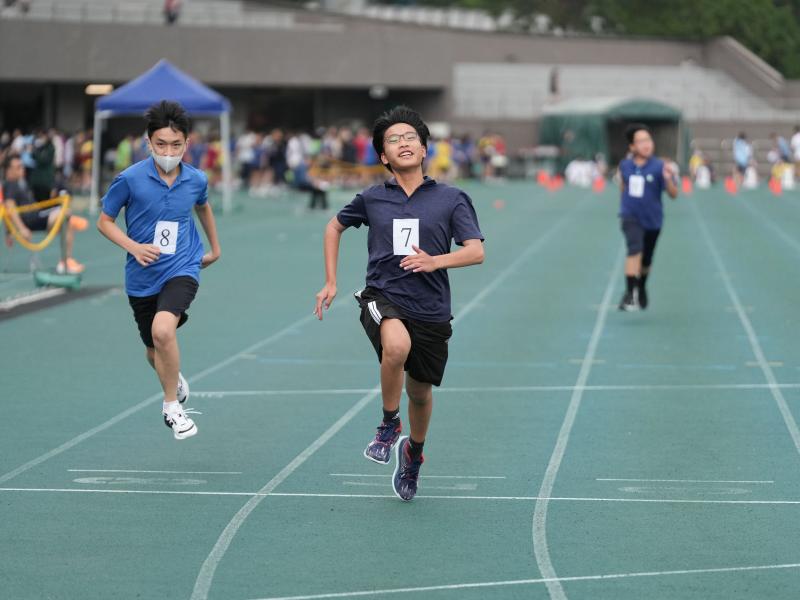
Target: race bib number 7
[(405, 233), (166, 237), (636, 186)]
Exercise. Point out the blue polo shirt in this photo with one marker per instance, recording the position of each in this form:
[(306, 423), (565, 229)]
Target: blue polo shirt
[(442, 213), (641, 198), (148, 202)]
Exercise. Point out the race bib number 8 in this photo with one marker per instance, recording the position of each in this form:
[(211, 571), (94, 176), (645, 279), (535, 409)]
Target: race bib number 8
[(166, 236), (636, 186), (405, 233)]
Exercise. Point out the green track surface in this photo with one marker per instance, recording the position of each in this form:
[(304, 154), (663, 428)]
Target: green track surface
[(678, 474)]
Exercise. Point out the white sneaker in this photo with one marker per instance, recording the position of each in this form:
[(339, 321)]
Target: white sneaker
[(182, 426), (183, 389)]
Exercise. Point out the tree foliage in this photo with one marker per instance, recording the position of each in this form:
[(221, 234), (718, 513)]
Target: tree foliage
[(770, 28)]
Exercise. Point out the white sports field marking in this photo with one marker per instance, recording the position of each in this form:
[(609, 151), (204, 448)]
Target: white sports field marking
[(418, 498), (512, 582), (165, 472), (771, 363), (456, 487), (505, 389), (30, 297), (682, 490), (148, 401), (539, 528), (425, 477), (685, 480), (205, 577), (138, 481), (755, 345), (769, 223)]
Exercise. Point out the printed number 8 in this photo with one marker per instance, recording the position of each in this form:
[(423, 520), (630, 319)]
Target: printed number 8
[(164, 237)]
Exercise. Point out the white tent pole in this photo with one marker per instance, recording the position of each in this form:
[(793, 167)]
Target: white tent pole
[(94, 197), (227, 178)]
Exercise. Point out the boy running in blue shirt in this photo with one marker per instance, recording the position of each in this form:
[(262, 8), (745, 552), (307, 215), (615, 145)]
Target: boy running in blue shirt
[(642, 179), (165, 253), (405, 307)]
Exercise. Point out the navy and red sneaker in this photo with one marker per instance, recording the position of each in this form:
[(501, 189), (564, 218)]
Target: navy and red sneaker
[(380, 449), (406, 472)]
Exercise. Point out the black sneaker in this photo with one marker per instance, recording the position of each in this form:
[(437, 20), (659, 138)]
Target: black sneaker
[(406, 472), (642, 296), (380, 448), (629, 302)]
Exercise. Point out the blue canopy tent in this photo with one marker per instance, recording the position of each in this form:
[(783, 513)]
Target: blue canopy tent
[(164, 81)]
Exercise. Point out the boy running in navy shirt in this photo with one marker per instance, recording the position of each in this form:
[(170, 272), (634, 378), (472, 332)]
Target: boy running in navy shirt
[(642, 179), (165, 253), (405, 307)]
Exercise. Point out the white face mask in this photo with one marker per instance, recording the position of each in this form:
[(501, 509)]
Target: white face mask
[(167, 163)]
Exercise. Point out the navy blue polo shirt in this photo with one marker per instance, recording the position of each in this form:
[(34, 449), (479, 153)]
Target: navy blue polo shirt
[(641, 196), (436, 214), (162, 216)]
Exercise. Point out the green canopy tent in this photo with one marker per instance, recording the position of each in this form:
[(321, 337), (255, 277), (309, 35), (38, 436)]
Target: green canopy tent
[(586, 127)]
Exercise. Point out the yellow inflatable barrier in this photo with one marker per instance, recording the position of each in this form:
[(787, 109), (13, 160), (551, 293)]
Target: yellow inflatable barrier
[(64, 201)]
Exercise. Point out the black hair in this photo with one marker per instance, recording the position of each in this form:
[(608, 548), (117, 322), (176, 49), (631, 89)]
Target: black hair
[(630, 131), (8, 160), (167, 114), (399, 114)]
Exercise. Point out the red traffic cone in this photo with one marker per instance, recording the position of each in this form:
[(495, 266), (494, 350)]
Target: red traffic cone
[(599, 185)]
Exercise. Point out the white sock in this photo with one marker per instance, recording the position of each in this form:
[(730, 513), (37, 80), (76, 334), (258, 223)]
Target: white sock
[(171, 407)]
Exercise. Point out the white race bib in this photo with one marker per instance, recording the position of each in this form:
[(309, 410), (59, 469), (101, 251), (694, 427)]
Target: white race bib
[(636, 186), (405, 233), (166, 236)]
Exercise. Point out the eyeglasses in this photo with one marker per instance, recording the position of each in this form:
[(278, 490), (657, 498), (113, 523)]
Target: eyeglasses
[(408, 136)]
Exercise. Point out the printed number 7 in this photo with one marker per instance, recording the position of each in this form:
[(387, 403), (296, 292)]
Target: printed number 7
[(408, 237)]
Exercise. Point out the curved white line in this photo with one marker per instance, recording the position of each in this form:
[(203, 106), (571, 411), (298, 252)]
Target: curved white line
[(540, 549)]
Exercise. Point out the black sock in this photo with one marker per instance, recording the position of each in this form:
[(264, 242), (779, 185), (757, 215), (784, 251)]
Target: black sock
[(642, 280), (631, 282), (391, 415), (415, 449)]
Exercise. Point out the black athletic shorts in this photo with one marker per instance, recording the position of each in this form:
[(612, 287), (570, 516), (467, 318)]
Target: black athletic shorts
[(175, 297), (37, 220), (428, 356), (640, 240)]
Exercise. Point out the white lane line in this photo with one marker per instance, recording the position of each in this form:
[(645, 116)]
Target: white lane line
[(205, 577), (148, 401), (426, 476), (769, 223), (169, 472), (456, 487), (513, 582), (540, 549), (423, 498), (685, 480), (30, 297), (758, 352), (507, 389)]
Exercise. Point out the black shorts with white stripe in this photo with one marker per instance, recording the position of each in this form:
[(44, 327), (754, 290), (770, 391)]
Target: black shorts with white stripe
[(428, 356)]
